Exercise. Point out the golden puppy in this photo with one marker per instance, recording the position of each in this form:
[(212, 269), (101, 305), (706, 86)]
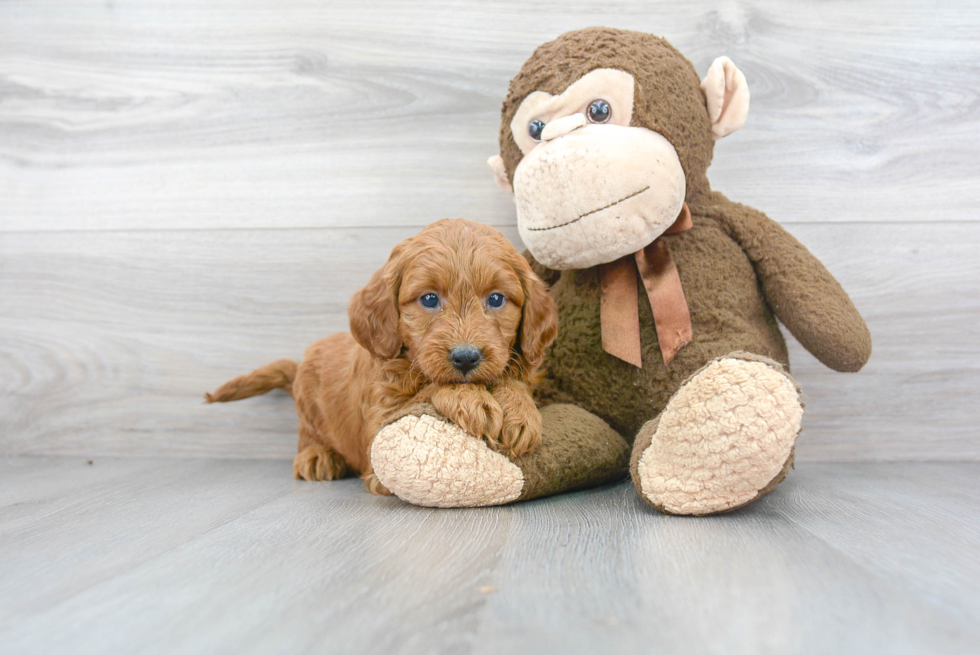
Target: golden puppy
[(456, 317)]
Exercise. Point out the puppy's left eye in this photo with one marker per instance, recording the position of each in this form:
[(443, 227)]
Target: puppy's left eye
[(429, 300), (495, 300)]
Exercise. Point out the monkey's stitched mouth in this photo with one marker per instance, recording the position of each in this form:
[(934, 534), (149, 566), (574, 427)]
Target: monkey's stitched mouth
[(576, 220)]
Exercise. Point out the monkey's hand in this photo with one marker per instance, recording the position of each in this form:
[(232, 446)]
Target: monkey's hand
[(521, 432), (473, 408), (800, 290)]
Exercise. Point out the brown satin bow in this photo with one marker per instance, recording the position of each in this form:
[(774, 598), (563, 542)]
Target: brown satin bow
[(619, 310)]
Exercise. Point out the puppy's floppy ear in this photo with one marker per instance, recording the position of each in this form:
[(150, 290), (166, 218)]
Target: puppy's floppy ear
[(373, 310), (539, 319)]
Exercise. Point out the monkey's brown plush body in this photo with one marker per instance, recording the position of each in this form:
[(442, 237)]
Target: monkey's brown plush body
[(606, 139)]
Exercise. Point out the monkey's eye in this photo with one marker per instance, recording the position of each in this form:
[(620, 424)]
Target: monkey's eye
[(599, 111), (534, 129), (496, 300), (429, 300)]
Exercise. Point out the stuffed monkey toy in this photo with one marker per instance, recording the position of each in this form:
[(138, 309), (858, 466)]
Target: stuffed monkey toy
[(668, 294)]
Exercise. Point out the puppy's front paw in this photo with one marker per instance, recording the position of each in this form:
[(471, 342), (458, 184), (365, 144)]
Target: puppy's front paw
[(521, 431), (317, 462), (472, 408), (373, 485)]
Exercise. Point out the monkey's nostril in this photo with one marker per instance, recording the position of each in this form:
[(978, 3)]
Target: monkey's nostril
[(465, 358)]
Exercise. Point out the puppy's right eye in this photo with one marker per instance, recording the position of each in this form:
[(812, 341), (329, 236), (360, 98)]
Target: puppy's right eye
[(496, 300), (429, 300)]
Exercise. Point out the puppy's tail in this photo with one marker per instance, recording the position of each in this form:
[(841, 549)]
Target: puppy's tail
[(277, 375)]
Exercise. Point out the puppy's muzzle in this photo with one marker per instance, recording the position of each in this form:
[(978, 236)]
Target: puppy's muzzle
[(465, 358)]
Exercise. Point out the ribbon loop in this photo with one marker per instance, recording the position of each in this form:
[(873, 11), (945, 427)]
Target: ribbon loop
[(619, 313)]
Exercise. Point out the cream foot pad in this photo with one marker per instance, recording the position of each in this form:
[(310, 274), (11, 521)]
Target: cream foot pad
[(434, 463), (725, 435)]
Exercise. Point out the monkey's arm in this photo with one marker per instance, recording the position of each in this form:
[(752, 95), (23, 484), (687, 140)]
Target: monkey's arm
[(801, 291), (548, 275)]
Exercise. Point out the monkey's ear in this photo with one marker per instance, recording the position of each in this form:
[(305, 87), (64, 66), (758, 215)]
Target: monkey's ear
[(727, 97), (496, 164)]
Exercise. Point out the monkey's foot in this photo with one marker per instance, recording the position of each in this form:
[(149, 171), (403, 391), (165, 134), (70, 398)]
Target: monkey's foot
[(725, 438), (426, 460)]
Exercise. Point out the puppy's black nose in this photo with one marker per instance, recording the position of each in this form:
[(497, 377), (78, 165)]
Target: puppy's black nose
[(465, 358)]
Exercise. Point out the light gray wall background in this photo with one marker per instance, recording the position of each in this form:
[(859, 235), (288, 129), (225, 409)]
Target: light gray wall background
[(191, 189)]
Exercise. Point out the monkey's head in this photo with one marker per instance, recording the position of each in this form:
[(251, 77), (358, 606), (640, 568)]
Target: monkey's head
[(605, 133)]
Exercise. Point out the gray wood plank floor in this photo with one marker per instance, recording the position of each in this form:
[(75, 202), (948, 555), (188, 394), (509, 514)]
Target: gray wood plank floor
[(223, 556)]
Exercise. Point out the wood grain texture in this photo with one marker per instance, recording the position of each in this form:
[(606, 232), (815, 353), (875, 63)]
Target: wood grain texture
[(191, 189), (112, 338), (159, 114), (192, 556)]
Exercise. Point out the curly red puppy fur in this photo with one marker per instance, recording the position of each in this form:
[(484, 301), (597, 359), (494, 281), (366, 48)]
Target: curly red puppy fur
[(456, 317)]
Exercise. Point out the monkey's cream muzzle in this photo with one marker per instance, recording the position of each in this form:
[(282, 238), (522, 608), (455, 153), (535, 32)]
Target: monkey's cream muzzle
[(596, 193)]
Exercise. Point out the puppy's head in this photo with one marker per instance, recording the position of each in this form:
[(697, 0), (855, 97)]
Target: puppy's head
[(460, 303)]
